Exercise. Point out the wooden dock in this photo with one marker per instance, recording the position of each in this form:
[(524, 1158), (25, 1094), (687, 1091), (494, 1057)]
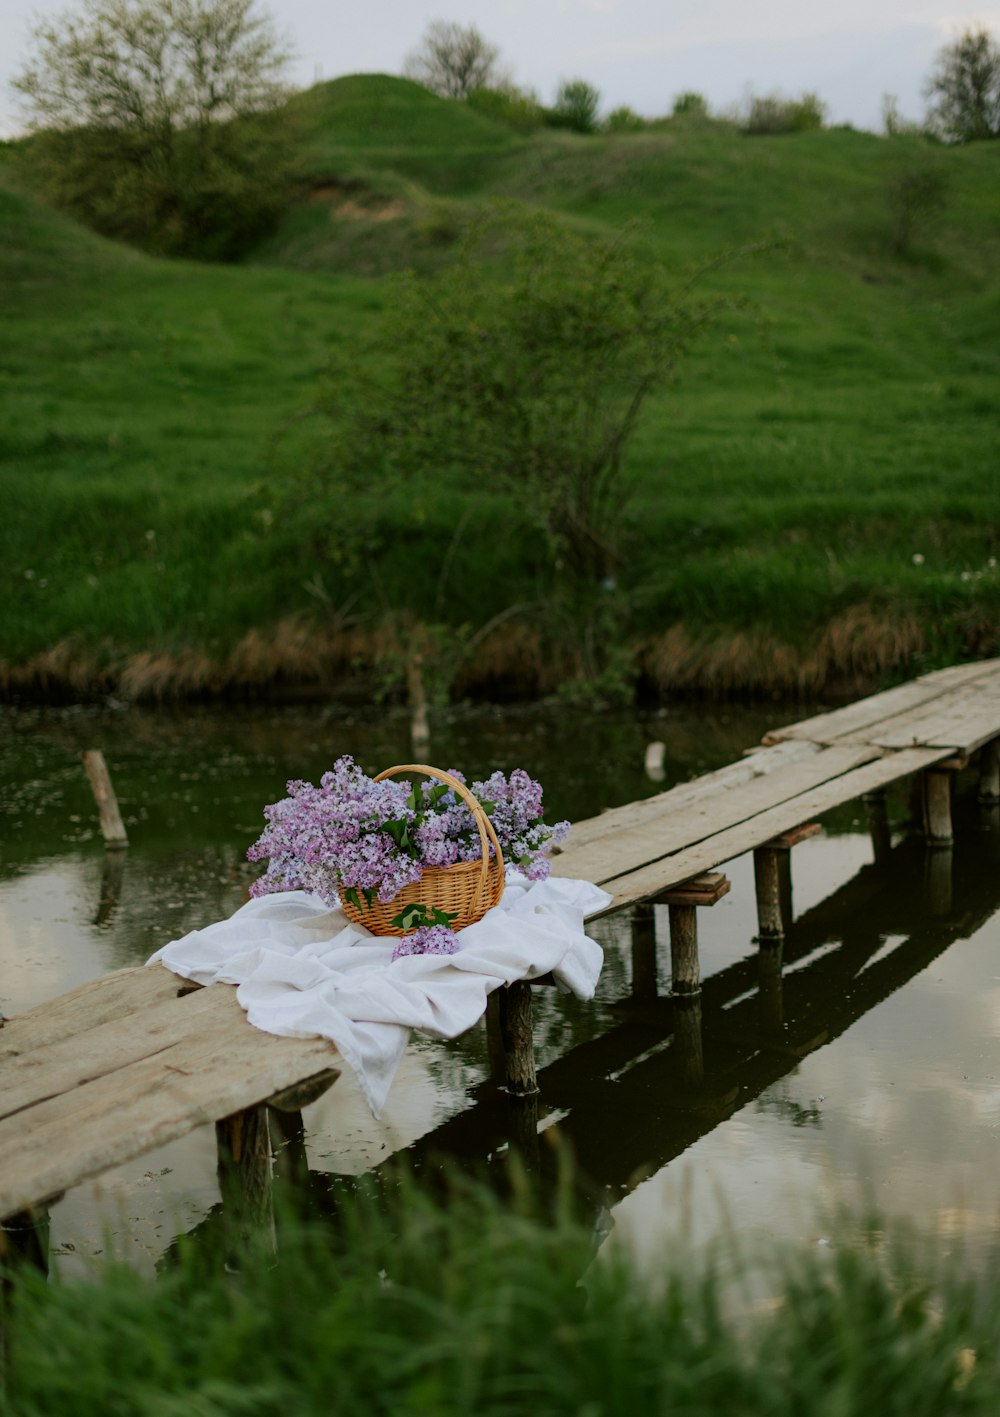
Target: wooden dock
[(140, 1057)]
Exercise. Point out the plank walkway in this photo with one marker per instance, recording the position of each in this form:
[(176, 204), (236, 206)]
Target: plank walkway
[(138, 1058)]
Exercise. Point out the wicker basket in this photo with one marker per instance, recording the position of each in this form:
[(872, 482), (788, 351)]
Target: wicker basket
[(466, 890)]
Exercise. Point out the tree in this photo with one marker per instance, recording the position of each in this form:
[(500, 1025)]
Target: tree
[(576, 106), (965, 88), (454, 61), (523, 367), (160, 121)]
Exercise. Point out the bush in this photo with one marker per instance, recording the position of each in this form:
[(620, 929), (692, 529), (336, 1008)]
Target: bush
[(575, 107), (508, 104), (916, 190), (774, 114), (690, 105), (624, 120)]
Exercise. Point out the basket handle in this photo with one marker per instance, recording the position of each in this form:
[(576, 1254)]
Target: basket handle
[(475, 807)]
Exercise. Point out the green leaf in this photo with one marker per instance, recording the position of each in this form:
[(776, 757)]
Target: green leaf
[(352, 897)]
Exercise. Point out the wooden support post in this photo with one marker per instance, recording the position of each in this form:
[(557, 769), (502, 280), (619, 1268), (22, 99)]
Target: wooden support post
[(643, 952), (989, 773), (685, 969), (291, 1162), (517, 1039), (937, 807), (244, 1157), (772, 870), (878, 825), (420, 732), (683, 901), (112, 825), (24, 1242)]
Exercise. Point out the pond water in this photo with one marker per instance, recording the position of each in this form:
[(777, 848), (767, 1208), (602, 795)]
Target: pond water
[(868, 1073)]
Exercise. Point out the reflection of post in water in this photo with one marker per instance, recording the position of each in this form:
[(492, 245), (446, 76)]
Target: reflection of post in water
[(685, 969), (644, 952), (522, 1123), (938, 871), (112, 875), (770, 990)]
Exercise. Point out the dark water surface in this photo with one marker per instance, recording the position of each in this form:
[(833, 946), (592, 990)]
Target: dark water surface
[(868, 1072)]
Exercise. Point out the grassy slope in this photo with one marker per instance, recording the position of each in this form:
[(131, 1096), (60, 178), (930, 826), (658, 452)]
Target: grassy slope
[(809, 451)]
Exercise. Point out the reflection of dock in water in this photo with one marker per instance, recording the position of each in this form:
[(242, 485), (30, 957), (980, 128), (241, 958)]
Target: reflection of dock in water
[(624, 1103)]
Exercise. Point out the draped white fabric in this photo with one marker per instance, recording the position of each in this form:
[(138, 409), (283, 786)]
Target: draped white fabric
[(302, 969)]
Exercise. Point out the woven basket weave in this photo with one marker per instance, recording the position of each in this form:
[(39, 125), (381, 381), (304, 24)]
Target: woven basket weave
[(466, 890)]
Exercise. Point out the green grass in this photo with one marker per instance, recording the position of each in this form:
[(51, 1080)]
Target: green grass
[(470, 1308), (813, 445)]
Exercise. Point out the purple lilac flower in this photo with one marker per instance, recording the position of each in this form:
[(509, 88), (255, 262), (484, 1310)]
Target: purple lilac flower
[(427, 940), (337, 837)]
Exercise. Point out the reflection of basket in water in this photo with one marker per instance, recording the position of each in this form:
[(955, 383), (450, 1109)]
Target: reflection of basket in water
[(466, 890)]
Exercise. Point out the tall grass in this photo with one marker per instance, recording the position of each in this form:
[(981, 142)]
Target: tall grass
[(468, 1307)]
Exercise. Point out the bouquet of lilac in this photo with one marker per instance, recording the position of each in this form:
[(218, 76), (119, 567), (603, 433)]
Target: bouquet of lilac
[(352, 837)]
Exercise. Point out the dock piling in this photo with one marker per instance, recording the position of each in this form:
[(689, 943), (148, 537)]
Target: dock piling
[(937, 807), (516, 1054), (244, 1169), (112, 826), (644, 952), (772, 870), (989, 773)]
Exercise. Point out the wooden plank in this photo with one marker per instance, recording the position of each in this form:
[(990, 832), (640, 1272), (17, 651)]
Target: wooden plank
[(961, 673), (659, 876), (866, 713), (704, 890), (686, 794), (39, 1073), (226, 1067), (606, 858), (963, 720), (852, 718), (112, 996), (787, 840)]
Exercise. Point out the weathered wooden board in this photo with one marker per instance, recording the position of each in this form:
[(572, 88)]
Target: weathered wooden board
[(219, 1068), (42, 1072), (854, 719), (607, 857), (113, 996), (651, 880), (685, 794), (964, 720)]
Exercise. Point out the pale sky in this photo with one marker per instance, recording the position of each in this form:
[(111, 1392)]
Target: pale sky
[(639, 52)]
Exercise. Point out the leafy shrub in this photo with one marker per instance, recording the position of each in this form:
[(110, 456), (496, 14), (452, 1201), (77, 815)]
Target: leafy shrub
[(624, 120), (774, 114), (575, 107), (519, 108)]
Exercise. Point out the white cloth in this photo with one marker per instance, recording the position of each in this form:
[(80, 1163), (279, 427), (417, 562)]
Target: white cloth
[(302, 969)]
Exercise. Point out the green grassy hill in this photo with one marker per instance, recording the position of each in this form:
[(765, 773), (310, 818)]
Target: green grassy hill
[(817, 500)]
